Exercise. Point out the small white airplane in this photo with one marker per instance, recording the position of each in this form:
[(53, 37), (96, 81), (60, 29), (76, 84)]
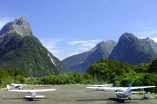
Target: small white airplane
[(32, 93), (98, 87), (13, 86), (124, 92), (104, 85)]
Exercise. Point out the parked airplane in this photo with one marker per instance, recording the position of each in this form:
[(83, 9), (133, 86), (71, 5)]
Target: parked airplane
[(104, 85), (98, 87), (32, 93), (12, 86), (124, 92)]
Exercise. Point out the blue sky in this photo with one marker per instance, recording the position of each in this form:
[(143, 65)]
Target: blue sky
[(68, 27)]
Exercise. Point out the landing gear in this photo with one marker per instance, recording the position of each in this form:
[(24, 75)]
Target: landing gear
[(130, 99), (31, 99)]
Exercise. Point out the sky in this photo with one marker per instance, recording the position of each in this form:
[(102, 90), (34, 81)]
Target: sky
[(69, 27)]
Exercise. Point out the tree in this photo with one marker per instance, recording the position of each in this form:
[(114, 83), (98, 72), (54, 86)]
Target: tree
[(142, 68), (153, 66)]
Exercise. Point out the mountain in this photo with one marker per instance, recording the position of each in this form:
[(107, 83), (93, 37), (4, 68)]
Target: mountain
[(132, 50), (81, 62), (20, 49), (129, 49)]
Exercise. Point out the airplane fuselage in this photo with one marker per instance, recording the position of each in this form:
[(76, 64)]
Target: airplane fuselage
[(122, 95), (13, 86), (32, 95)]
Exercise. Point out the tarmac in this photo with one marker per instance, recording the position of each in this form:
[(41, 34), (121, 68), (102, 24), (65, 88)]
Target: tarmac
[(70, 94)]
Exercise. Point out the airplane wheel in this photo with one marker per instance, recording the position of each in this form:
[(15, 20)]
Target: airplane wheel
[(130, 99), (30, 99)]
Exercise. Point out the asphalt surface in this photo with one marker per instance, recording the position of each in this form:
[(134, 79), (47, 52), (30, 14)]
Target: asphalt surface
[(70, 94)]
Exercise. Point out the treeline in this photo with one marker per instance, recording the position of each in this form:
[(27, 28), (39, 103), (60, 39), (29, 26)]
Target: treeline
[(103, 71), (69, 78)]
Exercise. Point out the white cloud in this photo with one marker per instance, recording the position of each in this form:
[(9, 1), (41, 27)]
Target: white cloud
[(63, 48), (155, 39), (144, 28), (84, 45), (4, 20), (52, 45), (150, 34)]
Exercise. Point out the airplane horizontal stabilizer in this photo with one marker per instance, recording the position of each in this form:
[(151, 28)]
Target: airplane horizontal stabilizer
[(133, 92), (138, 92), (119, 92), (37, 96)]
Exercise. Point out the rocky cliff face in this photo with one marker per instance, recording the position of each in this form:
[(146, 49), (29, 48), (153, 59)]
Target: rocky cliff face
[(19, 25)]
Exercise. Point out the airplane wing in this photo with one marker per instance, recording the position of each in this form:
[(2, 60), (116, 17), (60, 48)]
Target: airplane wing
[(124, 88), (39, 90), (138, 92), (120, 88), (108, 88), (44, 90), (133, 92), (104, 85), (18, 84), (142, 87)]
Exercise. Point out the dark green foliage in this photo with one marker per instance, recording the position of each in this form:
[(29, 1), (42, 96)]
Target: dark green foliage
[(153, 66), (69, 78), (142, 68), (107, 70), (12, 75)]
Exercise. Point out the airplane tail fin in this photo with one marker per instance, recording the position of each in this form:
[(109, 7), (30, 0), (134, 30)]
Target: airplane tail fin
[(130, 86), (111, 85), (8, 87)]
